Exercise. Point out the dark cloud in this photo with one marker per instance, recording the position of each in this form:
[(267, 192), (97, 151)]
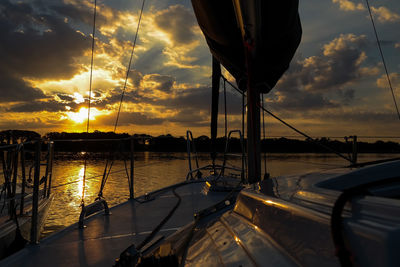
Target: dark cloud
[(14, 89), (65, 97), (37, 106), (78, 12), (338, 63), (34, 43), (38, 44), (163, 83), (190, 117), (135, 77), (367, 118), (152, 60), (309, 81), (347, 95), (300, 100), (178, 22), (129, 118), (197, 98), (113, 97), (29, 124)]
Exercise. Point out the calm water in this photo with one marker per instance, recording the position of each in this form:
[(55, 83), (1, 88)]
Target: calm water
[(153, 171)]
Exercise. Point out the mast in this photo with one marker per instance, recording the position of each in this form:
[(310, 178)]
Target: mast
[(254, 40), (247, 20)]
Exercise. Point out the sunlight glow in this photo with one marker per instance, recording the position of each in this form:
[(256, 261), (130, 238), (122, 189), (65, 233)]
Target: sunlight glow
[(82, 114)]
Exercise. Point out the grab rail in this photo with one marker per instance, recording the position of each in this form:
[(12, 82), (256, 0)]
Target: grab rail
[(190, 144), (243, 155), (98, 205), (210, 167)]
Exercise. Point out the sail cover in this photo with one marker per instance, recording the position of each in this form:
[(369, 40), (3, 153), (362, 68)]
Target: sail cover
[(278, 35)]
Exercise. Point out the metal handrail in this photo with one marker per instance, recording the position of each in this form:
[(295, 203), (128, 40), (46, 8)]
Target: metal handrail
[(14, 158), (98, 205), (10, 146), (211, 167), (243, 171), (190, 144)]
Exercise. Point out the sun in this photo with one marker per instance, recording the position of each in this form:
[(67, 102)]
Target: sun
[(82, 115)]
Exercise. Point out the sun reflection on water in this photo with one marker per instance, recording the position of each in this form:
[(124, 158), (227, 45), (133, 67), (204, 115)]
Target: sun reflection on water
[(80, 183)]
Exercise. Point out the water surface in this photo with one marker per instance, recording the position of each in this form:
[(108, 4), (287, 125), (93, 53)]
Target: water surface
[(153, 171)]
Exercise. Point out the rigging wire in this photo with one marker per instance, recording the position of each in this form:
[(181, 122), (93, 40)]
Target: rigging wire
[(309, 138), (263, 128), (232, 85), (383, 59), (225, 110), (89, 100), (91, 65), (107, 172), (129, 66)]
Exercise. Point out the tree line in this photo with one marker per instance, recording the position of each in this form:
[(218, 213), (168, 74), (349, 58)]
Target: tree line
[(110, 141)]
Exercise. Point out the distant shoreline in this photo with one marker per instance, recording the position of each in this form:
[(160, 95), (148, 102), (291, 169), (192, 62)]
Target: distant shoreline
[(75, 142)]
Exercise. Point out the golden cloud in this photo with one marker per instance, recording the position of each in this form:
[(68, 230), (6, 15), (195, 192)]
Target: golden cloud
[(348, 5), (385, 15)]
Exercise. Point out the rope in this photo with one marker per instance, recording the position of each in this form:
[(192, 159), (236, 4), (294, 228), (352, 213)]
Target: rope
[(383, 59), (166, 218), (129, 66)]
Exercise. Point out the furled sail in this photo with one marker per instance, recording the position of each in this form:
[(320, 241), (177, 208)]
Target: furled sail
[(278, 34)]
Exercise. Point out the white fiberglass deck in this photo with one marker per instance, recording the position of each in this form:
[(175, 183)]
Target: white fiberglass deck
[(105, 237)]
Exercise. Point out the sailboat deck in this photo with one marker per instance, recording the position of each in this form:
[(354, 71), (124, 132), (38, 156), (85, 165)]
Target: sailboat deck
[(105, 237)]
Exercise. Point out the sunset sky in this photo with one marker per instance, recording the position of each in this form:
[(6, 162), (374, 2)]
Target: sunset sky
[(336, 84)]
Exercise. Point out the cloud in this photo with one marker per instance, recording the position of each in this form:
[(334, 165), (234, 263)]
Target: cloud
[(191, 117), (129, 118), (14, 89), (38, 44), (33, 122), (49, 106), (34, 43), (338, 63), (162, 83), (385, 15), (178, 23), (310, 82), (348, 5), (382, 81), (299, 100), (382, 13)]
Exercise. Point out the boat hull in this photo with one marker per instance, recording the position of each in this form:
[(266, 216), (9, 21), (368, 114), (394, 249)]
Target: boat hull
[(10, 241)]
